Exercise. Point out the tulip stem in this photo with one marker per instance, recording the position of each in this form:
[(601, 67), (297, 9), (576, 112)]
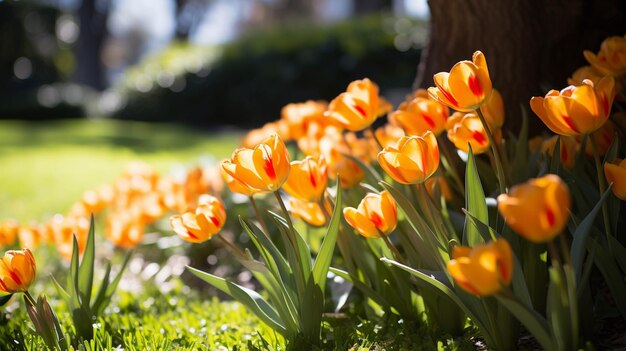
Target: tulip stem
[(259, 216), (601, 185), (232, 246), (393, 248), (496, 153), (376, 138), (30, 298)]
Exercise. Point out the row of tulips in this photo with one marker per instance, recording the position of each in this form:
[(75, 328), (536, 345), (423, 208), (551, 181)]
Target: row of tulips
[(455, 218)]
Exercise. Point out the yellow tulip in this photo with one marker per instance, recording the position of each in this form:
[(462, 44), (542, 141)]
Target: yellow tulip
[(200, 225), (307, 179), (484, 269), (576, 110), (264, 168), (17, 271), (413, 160), (310, 212), (465, 87), (616, 173), (466, 129), (421, 115), (538, 209), (358, 107), (493, 111), (389, 134), (611, 59), (376, 215), (567, 150)]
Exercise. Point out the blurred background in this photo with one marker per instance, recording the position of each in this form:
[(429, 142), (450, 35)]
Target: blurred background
[(203, 62)]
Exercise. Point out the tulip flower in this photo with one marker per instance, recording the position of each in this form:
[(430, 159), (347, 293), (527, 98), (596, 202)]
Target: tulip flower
[(333, 147), (484, 269), (63, 231), (611, 59), (264, 168), (307, 179), (585, 72), (538, 209), (466, 87), (389, 134), (200, 225), (601, 138), (616, 173), (297, 116), (358, 107), (310, 212), (257, 136), (493, 110), (421, 115), (576, 110), (376, 215), (8, 232), (413, 160), (466, 129), (17, 271), (124, 230), (236, 186), (567, 150)]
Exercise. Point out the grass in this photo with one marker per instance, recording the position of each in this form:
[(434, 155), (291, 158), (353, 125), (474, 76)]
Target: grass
[(46, 166)]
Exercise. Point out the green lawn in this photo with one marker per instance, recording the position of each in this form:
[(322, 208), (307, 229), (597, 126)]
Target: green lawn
[(46, 166)]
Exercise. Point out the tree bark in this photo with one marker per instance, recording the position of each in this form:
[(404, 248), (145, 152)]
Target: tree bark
[(93, 31), (531, 46)]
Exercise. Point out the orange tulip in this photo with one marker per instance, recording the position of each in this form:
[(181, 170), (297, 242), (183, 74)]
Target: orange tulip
[(538, 209), (376, 215), (358, 107), (17, 271), (310, 212), (611, 59), (307, 179), (484, 269), (493, 111), (297, 116), (264, 168), (201, 225), (567, 149), (439, 181), (124, 230), (616, 173), (421, 115), (576, 110), (389, 134), (413, 160), (333, 147), (585, 72), (8, 232), (31, 236), (236, 186), (63, 231), (603, 138), (257, 136), (466, 87), (466, 129)]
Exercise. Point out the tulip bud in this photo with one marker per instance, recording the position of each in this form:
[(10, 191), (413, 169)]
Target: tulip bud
[(376, 215), (413, 160), (17, 271), (616, 173), (307, 179), (358, 107), (201, 225)]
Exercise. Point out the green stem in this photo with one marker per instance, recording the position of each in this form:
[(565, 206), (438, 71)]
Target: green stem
[(237, 251), (601, 185), (496, 153), (393, 248), (30, 298), (375, 137), (259, 216)]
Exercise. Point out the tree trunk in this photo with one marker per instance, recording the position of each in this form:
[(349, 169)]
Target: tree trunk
[(530, 45), (93, 31)]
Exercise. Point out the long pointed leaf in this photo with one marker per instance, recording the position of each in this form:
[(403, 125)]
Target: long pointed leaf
[(475, 202), (85, 272), (325, 255)]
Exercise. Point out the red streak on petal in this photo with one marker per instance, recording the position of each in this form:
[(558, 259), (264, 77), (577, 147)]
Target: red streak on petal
[(377, 220), (16, 278), (215, 221), (191, 235), (429, 120), (268, 166), (3, 286), (479, 137), (312, 179), (475, 86), (605, 104), (504, 273), (361, 110), (564, 153), (569, 123), (469, 287), (550, 216), (449, 96)]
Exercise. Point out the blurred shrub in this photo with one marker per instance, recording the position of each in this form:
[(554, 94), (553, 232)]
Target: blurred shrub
[(247, 82)]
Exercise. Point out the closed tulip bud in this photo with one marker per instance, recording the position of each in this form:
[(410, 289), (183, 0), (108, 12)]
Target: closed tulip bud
[(307, 179), (616, 173), (465, 87), (538, 209), (611, 59), (484, 269), (310, 212), (576, 110), (376, 215), (358, 107), (567, 151), (200, 225), (466, 129), (413, 160), (421, 115), (493, 111), (264, 168), (17, 271), (585, 72)]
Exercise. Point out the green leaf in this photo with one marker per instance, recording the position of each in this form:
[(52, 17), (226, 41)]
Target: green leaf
[(73, 289), (4, 299), (530, 319), (613, 277), (474, 202), (60, 290), (249, 298), (85, 272), (555, 160), (579, 243), (103, 300), (325, 255), (364, 288), (486, 232)]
